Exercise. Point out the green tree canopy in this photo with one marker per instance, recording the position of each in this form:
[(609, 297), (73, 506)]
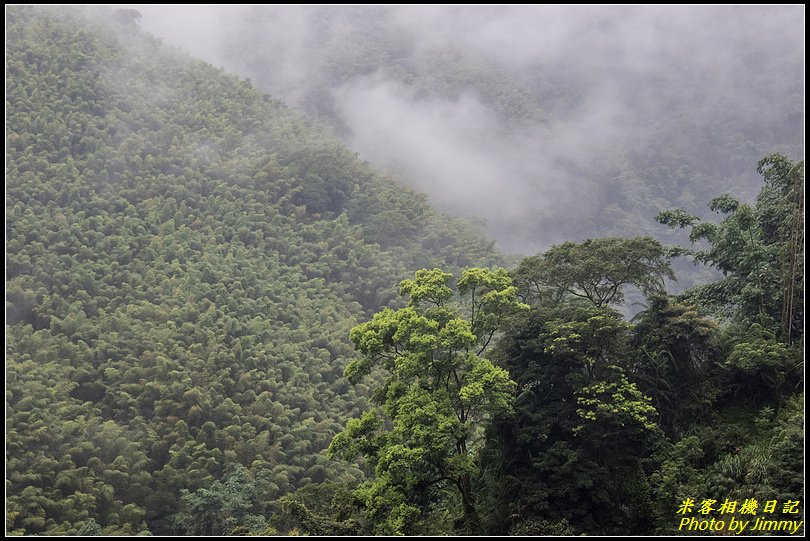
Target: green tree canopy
[(575, 449), (758, 248), (229, 507), (436, 392), (596, 270)]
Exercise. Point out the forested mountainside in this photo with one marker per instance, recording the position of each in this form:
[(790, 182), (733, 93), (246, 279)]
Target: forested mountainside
[(184, 260), (220, 321), (617, 112)]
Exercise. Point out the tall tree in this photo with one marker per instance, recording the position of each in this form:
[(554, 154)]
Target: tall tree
[(757, 248), (575, 449), (597, 270), (227, 508), (676, 361), (437, 391)]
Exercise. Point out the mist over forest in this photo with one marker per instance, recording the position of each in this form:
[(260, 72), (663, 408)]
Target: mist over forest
[(550, 123), (358, 270)]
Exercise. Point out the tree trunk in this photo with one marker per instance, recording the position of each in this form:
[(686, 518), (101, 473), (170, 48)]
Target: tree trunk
[(471, 523)]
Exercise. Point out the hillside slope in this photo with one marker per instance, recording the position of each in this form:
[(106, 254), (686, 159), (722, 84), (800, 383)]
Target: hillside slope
[(185, 257)]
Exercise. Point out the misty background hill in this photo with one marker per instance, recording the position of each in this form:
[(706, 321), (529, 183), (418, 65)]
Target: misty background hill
[(550, 123)]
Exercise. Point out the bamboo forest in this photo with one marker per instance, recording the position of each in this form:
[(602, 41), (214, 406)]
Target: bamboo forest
[(395, 270)]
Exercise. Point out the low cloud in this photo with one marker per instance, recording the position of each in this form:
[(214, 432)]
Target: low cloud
[(621, 91)]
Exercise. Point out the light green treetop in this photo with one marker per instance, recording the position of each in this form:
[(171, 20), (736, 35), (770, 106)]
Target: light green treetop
[(437, 392)]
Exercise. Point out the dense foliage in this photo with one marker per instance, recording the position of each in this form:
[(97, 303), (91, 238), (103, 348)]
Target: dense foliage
[(616, 423), (185, 259), (202, 317), (439, 392), (613, 424)]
